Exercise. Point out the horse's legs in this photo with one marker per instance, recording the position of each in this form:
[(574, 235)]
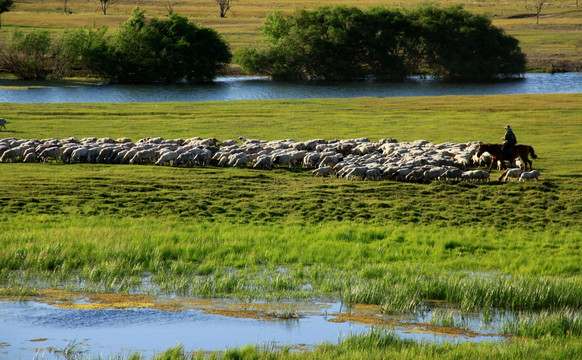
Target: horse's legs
[(526, 161), (502, 175), (493, 160)]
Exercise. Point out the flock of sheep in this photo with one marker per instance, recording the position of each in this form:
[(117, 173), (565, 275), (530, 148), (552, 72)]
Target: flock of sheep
[(353, 159)]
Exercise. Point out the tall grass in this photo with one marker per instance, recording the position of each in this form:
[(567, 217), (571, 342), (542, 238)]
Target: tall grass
[(566, 322), (297, 261)]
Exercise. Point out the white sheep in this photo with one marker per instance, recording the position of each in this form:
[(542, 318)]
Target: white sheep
[(476, 175), (50, 153), (30, 158), (147, 156), (311, 159), (452, 173), (357, 172), (373, 174), (78, 154), (263, 163), (167, 158), (12, 155), (529, 175), (512, 173), (325, 170)]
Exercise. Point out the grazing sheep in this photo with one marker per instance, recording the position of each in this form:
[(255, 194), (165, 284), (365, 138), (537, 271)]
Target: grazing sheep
[(30, 158), (118, 158), (12, 155), (529, 175), (263, 163), (452, 174), (511, 173), (79, 154), (67, 153), (326, 170), (433, 174), (330, 160), (202, 158), (225, 143), (311, 159), (107, 154), (50, 153), (357, 172), (167, 158), (415, 175), (373, 174), (476, 175), (281, 159), (123, 140), (143, 157)]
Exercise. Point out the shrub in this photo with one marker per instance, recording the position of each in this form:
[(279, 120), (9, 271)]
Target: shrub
[(169, 50), (343, 43), (458, 45)]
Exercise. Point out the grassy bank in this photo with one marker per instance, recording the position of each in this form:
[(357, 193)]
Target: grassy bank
[(552, 41)]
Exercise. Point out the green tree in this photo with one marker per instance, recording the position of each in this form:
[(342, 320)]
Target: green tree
[(340, 43), (332, 43), (5, 6), (35, 56), (147, 51), (460, 46)]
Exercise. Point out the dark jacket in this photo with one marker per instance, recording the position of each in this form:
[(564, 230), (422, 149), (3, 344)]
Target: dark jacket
[(509, 138)]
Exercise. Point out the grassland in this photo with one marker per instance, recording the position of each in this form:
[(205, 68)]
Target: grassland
[(246, 234), (555, 40)]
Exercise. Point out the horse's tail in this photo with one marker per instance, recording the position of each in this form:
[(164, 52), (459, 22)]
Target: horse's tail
[(532, 153)]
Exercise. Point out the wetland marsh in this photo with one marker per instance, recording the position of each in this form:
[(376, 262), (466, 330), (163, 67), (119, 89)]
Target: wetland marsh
[(486, 252)]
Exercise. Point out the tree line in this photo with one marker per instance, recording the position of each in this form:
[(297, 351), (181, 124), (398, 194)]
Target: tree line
[(330, 43), (344, 43), (141, 51)]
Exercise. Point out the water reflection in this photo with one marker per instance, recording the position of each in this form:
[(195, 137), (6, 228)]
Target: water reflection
[(251, 88), (28, 328)]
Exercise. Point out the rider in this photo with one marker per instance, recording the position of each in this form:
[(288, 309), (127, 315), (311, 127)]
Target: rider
[(509, 140)]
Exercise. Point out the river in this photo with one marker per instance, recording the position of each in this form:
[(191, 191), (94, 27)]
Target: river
[(254, 88)]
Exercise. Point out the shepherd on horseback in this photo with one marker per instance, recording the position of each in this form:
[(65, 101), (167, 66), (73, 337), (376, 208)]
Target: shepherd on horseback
[(509, 141), (508, 151)]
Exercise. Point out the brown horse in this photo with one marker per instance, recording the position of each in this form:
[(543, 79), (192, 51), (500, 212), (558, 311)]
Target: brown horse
[(521, 151)]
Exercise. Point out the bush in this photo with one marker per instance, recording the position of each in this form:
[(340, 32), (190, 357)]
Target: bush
[(332, 43), (460, 46), (343, 43), (36, 56), (160, 51)]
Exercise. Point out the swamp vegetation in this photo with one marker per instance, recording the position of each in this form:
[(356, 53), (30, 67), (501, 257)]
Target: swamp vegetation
[(256, 235)]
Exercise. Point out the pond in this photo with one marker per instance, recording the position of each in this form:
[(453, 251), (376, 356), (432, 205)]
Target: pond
[(110, 325), (253, 88)]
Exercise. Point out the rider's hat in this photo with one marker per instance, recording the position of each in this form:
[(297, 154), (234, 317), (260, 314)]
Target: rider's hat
[(507, 127)]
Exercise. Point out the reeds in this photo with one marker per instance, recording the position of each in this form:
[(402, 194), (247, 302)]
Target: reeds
[(566, 322)]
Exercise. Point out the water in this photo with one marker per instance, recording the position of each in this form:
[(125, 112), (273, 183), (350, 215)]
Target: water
[(251, 88), (29, 329)]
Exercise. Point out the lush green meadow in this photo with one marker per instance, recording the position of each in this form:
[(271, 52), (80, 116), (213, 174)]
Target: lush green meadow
[(250, 234), (556, 39)]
